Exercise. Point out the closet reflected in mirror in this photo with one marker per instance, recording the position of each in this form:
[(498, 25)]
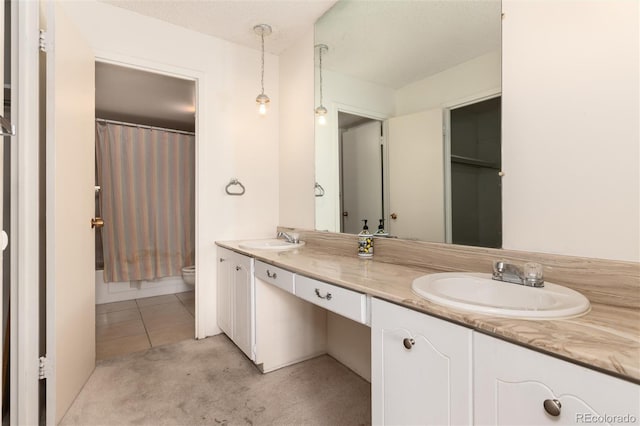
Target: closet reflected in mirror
[(416, 69)]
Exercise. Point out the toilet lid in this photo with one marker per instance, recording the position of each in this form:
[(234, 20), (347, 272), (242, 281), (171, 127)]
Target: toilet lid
[(189, 269)]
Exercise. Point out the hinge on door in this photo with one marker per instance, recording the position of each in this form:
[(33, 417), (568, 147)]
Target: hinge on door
[(43, 41), (45, 367)]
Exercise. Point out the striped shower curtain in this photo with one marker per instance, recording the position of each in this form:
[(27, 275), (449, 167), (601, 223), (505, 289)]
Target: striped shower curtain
[(147, 180)]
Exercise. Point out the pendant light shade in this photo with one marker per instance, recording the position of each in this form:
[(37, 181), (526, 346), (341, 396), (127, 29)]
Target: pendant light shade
[(321, 111), (262, 100)]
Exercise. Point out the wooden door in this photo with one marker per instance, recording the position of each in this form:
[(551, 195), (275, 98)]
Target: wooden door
[(416, 176), (70, 167)]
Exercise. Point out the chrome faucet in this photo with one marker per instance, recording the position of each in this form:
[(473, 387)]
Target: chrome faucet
[(293, 239), (530, 276)]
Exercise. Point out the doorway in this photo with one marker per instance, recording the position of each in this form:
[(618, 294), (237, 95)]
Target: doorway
[(475, 164), (361, 172), (145, 193)]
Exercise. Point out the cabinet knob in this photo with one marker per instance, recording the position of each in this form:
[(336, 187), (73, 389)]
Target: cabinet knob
[(408, 343), (238, 268), (271, 275), (394, 216), (222, 259), (552, 406)]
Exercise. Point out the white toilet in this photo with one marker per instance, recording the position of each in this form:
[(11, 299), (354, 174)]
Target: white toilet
[(189, 275)]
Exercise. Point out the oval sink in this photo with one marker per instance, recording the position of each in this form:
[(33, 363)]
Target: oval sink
[(479, 293), (270, 244)]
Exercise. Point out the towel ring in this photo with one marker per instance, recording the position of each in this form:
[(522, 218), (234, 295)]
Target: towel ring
[(319, 190), (234, 182)]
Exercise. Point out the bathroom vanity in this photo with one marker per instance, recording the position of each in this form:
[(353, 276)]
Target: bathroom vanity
[(430, 364)]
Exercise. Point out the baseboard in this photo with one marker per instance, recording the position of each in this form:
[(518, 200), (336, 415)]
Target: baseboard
[(292, 362)]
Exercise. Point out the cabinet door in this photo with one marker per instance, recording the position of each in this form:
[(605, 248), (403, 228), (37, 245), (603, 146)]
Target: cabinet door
[(224, 301), (512, 383), (421, 368), (243, 324)]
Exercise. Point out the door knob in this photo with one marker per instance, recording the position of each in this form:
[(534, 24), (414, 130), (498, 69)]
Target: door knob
[(394, 216), (97, 222)]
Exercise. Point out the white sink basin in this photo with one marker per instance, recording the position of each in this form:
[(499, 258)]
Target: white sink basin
[(270, 244), (479, 293)]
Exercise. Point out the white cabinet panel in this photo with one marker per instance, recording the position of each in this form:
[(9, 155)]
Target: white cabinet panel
[(288, 329), (236, 300), (347, 303), (421, 368), (224, 299), (512, 383), (243, 312)]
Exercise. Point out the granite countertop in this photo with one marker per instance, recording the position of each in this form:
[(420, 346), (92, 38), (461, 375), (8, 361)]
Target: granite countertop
[(606, 339)]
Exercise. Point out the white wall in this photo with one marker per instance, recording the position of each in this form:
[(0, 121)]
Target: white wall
[(347, 94), (473, 78), (297, 171), (571, 121), (232, 140)]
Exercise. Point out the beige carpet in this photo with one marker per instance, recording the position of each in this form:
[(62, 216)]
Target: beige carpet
[(210, 382)]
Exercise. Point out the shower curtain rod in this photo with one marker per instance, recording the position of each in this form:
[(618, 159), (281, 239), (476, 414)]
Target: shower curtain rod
[(142, 126)]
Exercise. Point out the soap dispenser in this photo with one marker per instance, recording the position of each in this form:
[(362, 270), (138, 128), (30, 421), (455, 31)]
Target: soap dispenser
[(365, 241), (381, 232)]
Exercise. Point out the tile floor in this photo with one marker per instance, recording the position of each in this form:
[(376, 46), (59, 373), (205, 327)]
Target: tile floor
[(137, 325)]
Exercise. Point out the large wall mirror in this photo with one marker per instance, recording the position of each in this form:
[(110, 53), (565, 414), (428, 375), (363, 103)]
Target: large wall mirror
[(412, 132)]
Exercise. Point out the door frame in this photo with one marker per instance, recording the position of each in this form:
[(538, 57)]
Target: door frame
[(383, 168), (198, 78), (446, 120), (335, 108), (25, 221)]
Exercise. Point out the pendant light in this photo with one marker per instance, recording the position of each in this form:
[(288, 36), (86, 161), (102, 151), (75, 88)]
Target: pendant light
[(262, 100), (321, 111)]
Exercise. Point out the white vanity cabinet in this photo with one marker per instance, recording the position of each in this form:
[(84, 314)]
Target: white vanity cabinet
[(235, 299), (288, 330), (421, 368), (518, 386)]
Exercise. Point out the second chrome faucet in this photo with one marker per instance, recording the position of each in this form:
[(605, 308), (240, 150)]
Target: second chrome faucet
[(530, 275)]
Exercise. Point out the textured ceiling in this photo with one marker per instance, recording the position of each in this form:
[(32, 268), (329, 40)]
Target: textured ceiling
[(233, 20), (391, 43), (394, 43)]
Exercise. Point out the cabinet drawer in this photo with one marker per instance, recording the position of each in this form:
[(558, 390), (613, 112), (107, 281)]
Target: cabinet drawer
[(274, 275), (347, 303)]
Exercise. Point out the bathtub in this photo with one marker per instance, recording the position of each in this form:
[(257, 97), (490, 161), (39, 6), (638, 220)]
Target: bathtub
[(119, 291)]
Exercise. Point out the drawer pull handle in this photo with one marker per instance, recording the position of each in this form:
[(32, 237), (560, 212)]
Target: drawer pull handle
[(328, 295), (552, 406), (408, 343), (272, 275)]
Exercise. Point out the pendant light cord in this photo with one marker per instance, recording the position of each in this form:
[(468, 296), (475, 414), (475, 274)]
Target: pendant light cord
[(262, 62), (320, 53)]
